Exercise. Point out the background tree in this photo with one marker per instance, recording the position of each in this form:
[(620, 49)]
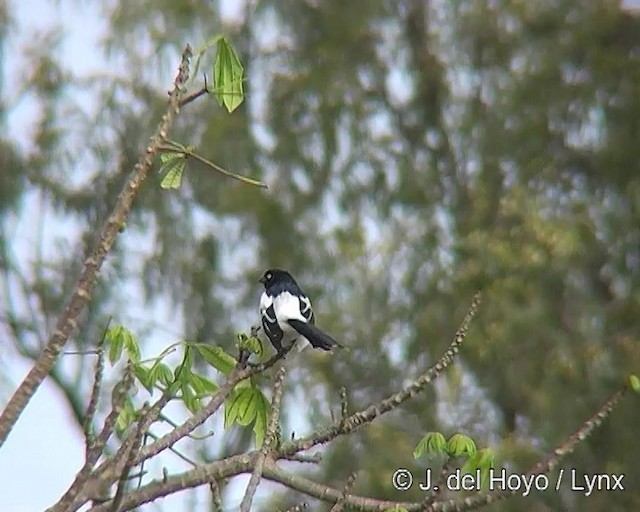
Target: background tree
[(415, 152)]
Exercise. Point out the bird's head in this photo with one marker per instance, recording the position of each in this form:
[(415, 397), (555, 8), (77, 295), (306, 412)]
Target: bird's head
[(276, 276)]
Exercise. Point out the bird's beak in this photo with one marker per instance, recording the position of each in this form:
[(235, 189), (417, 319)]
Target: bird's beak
[(262, 280)]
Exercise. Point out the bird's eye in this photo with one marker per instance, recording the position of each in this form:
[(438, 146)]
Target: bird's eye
[(269, 276)]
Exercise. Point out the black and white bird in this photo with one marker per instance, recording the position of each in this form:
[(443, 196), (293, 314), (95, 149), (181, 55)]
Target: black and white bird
[(287, 315)]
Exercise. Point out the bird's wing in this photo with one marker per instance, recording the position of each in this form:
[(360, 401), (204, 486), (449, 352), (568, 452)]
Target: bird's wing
[(270, 321), (305, 309)]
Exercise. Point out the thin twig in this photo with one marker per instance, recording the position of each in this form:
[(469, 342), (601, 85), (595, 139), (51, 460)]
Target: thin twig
[(81, 294), (298, 508), (95, 393), (344, 404), (260, 367), (192, 154), (360, 418), (314, 458), (238, 374), (142, 470), (195, 437), (124, 475), (118, 397), (216, 496), (348, 485), (194, 96), (252, 487), (174, 451), (437, 487)]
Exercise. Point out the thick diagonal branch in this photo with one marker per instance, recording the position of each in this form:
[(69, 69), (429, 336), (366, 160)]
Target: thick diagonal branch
[(81, 294)]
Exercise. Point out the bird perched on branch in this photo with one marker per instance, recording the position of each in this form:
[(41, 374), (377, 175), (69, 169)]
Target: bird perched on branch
[(287, 315)]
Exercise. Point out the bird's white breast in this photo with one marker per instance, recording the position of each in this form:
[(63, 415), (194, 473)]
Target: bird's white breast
[(265, 302), (286, 306)]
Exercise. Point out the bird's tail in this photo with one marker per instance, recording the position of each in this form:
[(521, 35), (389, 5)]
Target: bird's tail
[(316, 337)]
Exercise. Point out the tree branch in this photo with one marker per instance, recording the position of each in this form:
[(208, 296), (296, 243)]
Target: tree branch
[(81, 295), (358, 419), (95, 393), (239, 374), (246, 463), (348, 485), (94, 449), (124, 475), (551, 462), (265, 452)]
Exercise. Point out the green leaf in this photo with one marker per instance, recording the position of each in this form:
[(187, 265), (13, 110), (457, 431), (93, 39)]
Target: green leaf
[(245, 406), (634, 381), (131, 345), (202, 385), (200, 51), (231, 407), (189, 398), (170, 157), (483, 460), (397, 508), (216, 357), (248, 406), (460, 444), (126, 416), (432, 443), (262, 416), (115, 342), (144, 376), (227, 76), (173, 178), (250, 343), (162, 373), (119, 337)]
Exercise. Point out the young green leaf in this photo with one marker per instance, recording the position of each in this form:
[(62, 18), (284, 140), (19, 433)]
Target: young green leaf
[(170, 157), (248, 406), (262, 416), (119, 337), (231, 407), (216, 357), (189, 398), (143, 374), (250, 343), (200, 51), (459, 444), (227, 76), (131, 345), (433, 443), (173, 178), (126, 416), (162, 373), (483, 460), (202, 385), (634, 381), (115, 342)]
